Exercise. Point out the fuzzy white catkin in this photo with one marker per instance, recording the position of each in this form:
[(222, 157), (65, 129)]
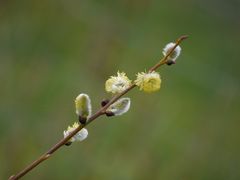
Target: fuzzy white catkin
[(120, 107), (80, 136), (176, 52)]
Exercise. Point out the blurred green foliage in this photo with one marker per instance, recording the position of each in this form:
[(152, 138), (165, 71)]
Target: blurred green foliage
[(50, 51)]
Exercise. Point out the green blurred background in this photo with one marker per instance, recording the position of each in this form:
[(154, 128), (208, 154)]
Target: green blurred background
[(50, 51)]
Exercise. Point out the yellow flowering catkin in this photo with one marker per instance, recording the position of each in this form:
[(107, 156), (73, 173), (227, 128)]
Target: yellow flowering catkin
[(148, 82)]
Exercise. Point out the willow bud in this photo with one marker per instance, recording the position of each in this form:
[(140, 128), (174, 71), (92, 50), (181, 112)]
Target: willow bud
[(83, 107), (174, 55), (118, 108)]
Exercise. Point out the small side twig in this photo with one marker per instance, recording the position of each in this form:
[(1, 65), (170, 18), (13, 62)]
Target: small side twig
[(100, 112)]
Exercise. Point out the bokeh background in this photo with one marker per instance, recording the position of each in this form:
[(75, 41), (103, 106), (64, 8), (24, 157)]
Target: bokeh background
[(52, 50)]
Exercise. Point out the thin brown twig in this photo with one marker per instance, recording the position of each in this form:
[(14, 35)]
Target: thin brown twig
[(100, 112)]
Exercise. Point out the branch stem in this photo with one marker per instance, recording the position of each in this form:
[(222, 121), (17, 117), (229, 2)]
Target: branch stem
[(100, 112)]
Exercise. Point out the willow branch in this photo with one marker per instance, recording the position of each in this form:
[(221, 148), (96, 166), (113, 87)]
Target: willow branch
[(100, 112)]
